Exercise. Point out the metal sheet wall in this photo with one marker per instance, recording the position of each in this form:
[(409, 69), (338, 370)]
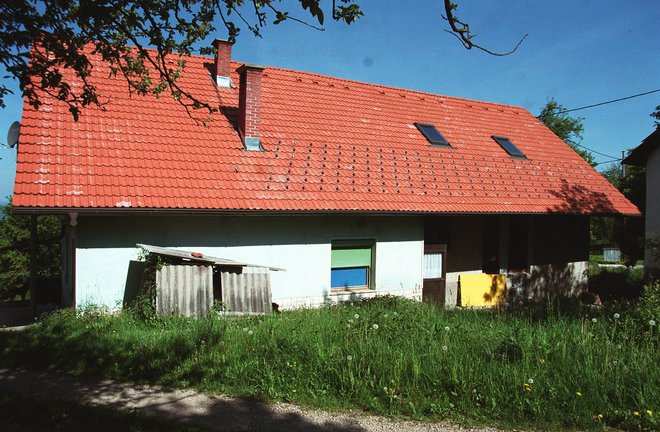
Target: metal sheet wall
[(248, 291), (184, 290)]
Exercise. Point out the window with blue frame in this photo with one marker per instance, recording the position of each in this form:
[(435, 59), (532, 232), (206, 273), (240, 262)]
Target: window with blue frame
[(352, 264)]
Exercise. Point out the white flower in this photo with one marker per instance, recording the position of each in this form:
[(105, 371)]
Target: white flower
[(375, 326), (356, 316), (385, 316), (617, 316), (385, 389), (593, 320), (446, 328), (250, 332), (395, 314), (348, 326), (245, 329), (651, 323), (530, 381), (349, 357), (444, 347), (619, 346)]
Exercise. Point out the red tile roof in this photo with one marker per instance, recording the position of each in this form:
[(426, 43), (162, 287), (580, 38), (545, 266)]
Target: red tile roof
[(330, 145)]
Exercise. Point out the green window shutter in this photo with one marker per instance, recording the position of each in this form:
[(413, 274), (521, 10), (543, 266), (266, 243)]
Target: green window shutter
[(351, 257)]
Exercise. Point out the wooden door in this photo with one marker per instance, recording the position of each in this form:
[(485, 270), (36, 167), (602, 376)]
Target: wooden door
[(434, 271)]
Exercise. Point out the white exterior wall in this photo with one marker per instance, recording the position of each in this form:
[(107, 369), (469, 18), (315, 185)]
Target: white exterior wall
[(299, 244), (652, 228), (569, 279)]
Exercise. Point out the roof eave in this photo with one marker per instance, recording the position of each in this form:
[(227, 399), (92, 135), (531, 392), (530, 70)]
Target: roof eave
[(246, 212), (640, 154)]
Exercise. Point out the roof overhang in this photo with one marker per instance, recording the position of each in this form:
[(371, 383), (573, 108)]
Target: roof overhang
[(640, 154), (123, 211)]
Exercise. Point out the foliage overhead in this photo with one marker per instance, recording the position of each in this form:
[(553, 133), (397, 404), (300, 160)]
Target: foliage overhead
[(567, 128), (40, 39), (656, 115)]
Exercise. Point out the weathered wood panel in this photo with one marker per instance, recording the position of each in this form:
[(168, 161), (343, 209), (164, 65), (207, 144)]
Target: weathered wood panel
[(247, 291), (184, 290)]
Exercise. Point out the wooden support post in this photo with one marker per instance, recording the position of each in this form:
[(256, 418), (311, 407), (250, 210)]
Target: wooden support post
[(33, 264)]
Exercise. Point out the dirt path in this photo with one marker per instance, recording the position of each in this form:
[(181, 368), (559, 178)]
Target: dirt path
[(216, 413)]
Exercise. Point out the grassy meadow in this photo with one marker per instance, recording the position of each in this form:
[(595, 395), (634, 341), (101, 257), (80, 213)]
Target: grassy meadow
[(553, 366)]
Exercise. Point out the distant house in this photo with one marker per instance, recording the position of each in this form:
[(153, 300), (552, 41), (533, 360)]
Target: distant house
[(647, 155), (355, 189)]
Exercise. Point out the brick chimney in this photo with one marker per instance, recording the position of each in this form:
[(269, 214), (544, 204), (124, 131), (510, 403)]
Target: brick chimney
[(249, 105), (222, 62)]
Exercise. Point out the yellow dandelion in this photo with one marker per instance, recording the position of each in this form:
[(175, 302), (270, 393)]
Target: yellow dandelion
[(636, 413), (649, 412), (578, 394)]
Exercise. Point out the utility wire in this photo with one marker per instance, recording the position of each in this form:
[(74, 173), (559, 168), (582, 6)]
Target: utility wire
[(609, 161), (606, 102), (562, 111), (594, 151)]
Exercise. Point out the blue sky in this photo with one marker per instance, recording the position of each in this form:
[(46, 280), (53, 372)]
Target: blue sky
[(577, 52)]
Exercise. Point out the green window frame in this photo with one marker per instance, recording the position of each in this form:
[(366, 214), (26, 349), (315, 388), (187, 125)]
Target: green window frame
[(352, 264)]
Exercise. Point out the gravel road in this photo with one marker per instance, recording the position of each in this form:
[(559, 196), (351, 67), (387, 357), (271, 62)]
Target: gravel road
[(213, 412)]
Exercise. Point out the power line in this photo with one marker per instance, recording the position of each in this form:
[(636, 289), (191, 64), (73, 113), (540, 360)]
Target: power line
[(594, 151), (606, 102), (614, 159), (608, 161)]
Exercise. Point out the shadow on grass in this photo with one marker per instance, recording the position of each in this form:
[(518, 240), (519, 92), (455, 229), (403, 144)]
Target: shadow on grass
[(615, 283), (60, 399)]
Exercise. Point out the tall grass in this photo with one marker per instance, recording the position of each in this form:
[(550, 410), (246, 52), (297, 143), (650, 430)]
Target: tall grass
[(552, 366)]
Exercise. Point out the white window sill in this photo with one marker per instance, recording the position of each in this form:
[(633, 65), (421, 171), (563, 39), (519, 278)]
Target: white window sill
[(338, 292)]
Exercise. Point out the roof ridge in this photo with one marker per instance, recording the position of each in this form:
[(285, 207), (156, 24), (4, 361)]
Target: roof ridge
[(401, 89), (364, 83)]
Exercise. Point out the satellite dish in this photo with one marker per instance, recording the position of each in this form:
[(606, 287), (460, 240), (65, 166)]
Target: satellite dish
[(12, 135)]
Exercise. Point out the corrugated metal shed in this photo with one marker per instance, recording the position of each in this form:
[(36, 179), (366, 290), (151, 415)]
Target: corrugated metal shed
[(185, 290), (190, 282)]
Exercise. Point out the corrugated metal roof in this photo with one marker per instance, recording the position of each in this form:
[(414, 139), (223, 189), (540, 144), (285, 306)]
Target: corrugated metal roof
[(199, 257)]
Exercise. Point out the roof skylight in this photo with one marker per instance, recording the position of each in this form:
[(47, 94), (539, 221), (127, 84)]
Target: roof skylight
[(432, 134), (509, 147)]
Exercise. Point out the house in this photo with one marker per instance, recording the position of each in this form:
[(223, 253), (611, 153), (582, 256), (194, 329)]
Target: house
[(647, 155), (355, 189)]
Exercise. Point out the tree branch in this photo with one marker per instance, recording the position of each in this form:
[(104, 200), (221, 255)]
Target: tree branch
[(461, 31)]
